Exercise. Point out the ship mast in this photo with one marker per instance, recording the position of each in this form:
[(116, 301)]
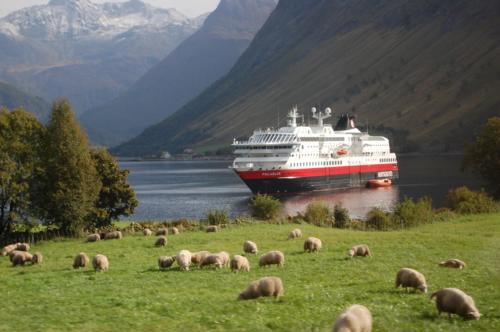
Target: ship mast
[(293, 115), (320, 116)]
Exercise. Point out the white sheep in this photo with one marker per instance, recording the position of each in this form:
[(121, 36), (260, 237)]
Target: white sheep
[(267, 286), (93, 237), (183, 258), (166, 261), (100, 263), (453, 263), (359, 250), (199, 256), (250, 247), (312, 244), (147, 232), (81, 260), (272, 257), (7, 249), (161, 241), (294, 234), (407, 277), (240, 263), (455, 301), (357, 318)]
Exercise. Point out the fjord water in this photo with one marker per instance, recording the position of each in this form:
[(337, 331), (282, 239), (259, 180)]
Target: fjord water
[(188, 189)]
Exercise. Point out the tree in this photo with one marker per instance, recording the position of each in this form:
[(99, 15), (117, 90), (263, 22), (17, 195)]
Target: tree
[(483, 156), (20, 136), (116, 197), (69, 184)]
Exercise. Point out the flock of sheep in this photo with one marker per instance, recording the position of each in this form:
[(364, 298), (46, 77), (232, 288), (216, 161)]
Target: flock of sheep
[(357, 318)]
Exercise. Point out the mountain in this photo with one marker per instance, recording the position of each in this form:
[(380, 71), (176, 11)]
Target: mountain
[(84, 51), (195, 64), (12, 98), (427, 71)]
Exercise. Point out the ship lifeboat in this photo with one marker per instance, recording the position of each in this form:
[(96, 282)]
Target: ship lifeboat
[(342, 152), (376, 183)]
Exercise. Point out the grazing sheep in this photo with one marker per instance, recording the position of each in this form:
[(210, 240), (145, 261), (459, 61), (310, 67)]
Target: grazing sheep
[(295, 234), (81, 260), (455, 301), (147, 232), (175, 231), (93, 237), (453, 263), (357, 318), (161, 241), (312, 244), (250, 247), (224, 257), (198, 257), (7, 249), (113, 235), (22, 247), (21, 257), (184, 259), (37, 258), (162, 231), (272, 257), (213, 259), (411, 278), (166, 261), (267, 286), (13, 253), (239, 263), (212, 229), (100, 263), (359, 250)]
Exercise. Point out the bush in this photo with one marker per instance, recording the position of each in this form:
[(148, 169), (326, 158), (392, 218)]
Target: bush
[(465, 201), (341, 216), (264, 207), (318, 213), (409, 213), (378, 219), (217, 217)]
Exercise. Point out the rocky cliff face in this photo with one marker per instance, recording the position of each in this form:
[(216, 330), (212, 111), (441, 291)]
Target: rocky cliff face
[(427, 72)]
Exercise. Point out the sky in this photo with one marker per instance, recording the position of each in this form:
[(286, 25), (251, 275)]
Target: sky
[(188, 7)]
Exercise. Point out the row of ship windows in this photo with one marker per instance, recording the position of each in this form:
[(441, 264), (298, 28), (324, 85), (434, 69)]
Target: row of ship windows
[(318, 163), (321, 139), (278, 138), (387, 160), (279, 147)]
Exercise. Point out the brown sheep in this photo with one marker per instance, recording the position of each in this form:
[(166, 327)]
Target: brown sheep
[(113, 235), (312, 244), (175, 231), (22, 247), (81, 260), (359, 250), (198, 257), (13, 253), (166, 261), (239, 263), (162, 231), (212, 229), (161, 241), (453, 263), (455, 301), (21, 257), (267, 286), (93, 237), (250, 247), (294, 234), (100, 263), (37, 258), (147, 232), (213, 259), (411, 278), (272, 257), (7, 249), (357, 318)]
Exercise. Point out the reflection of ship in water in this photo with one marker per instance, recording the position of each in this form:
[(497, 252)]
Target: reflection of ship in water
[(357, 200)]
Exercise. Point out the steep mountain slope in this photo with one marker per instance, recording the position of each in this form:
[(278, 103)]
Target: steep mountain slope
[(85, 51), (12, 98), (428, 70), (185, 72)]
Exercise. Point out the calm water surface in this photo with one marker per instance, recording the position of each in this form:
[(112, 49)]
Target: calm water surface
[(188, 189)]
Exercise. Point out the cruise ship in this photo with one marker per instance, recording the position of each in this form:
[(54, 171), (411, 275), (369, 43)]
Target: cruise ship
[(301, 158)]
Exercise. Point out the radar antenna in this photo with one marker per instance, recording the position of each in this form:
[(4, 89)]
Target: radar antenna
[(320, 116)]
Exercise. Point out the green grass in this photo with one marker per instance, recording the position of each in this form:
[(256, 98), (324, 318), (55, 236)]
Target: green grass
[(134, 296)]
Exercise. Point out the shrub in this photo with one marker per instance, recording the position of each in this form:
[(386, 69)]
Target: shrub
[(465, 201), (341, 216), (378, 219), (318, 213), (409, 213), (217, 217), (264, 207)]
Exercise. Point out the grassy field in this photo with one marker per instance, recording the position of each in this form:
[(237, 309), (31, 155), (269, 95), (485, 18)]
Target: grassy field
[(135, 296)]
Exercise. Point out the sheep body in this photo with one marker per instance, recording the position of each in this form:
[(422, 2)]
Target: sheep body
[(161, 241), (37, 258), (224, 257), (175, 231), (162, 231), (212, 229), (272, 257), (113, 235), (312, 244), (295, 233), (239, 263), (198, 257), (13, 253), (212, 259), (100, 263), (147, 232), (184, 259), (407, 277), (455, 301), (22, 247), (166, 261), (93, 237), (267, 286), (359, 250), (453, 263), (80, 260), (7, 249), (357, 318), (21, 257), (250, 247)]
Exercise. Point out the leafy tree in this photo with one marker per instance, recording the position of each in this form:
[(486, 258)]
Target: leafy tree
[(69, 184), (116, 197), (20, 136), (483, 157)]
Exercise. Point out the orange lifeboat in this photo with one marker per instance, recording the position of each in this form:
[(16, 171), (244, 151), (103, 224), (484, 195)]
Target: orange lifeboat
[(375, 183), (342, 152)]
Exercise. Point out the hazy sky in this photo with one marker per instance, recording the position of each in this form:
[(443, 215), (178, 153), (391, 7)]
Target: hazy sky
[(187, 7)]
